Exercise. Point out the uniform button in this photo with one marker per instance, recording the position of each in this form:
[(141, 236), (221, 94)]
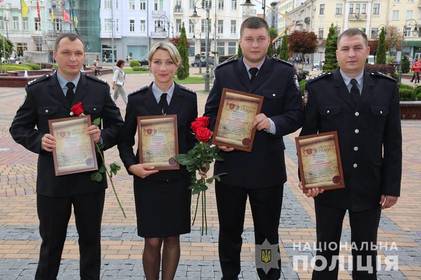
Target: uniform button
[(357, 114), (327, 111), (355, 165), (381, 112), (356, 148), (46, 110), (357, 131), (94, 109), (273, 94)]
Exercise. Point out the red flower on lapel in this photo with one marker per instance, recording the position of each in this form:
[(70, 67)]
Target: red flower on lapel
[(77, 109)]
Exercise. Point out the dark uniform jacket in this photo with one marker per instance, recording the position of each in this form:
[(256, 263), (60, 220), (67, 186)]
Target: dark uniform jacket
[(45, 101), (143, 103), (264, 166), (369, 136)]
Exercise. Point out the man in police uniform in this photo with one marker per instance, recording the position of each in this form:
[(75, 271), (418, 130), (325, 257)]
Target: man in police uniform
[(364, 109), (259, 174), (51, 97)]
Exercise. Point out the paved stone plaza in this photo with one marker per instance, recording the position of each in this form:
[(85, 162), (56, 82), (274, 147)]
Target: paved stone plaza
[(122, 248)]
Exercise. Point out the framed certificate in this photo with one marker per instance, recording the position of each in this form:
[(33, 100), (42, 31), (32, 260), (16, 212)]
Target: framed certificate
[(319, 161), (234, 123), (75, 149), (158, 141)]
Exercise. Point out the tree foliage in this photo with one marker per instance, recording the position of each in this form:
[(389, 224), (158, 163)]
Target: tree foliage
[(183, 47), (381, 48), (273, 33), (283, 49), (405, 64), (394, 38), (330, 50), (302, 42), (8, 47)]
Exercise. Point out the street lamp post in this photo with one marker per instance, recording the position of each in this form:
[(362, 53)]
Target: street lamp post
[(195, 15)]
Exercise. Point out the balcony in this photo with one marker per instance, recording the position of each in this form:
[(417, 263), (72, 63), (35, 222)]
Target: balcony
[(159, 34), (178, 10), (158, 13), (357, 17)]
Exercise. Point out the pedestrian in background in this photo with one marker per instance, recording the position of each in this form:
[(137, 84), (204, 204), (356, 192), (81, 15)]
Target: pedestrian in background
[(119, 78)]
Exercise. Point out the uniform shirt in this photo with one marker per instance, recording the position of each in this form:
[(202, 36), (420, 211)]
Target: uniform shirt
[(157, 93), (347, 80), (272, 127), (62, 81)]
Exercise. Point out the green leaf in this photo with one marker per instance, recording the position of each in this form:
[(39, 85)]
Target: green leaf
[(114, 168), (96, 121), (102, 169), (97, 177)]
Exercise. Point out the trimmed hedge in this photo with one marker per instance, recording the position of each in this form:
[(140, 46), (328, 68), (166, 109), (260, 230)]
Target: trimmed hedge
[(134, 63)]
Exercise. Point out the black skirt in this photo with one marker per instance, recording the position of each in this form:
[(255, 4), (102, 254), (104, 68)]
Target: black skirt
[(162, 209)]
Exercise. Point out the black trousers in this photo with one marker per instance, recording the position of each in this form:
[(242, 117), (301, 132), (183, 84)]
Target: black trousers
[(364, 227), (266, 207), (54, 214)]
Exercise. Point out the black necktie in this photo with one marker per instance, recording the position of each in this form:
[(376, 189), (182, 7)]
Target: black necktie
[(355, 92), (253, 73), (70, 94), (163, 103)]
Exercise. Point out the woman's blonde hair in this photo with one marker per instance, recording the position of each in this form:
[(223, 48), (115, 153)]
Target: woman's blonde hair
[(166, 46)]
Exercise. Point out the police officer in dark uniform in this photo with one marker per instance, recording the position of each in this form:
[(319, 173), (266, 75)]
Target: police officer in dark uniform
[(51, 97), (260, 174), (363, 108)]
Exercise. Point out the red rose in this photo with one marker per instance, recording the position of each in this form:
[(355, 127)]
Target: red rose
[(203, 134), (77, 109), (200, 122)]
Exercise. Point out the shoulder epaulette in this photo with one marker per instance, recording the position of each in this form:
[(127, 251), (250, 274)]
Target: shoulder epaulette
[(94, 78), (321, 76), (38, 80), (382, 75), (142, 89), (187, 89), (228, 61), (283, 61)]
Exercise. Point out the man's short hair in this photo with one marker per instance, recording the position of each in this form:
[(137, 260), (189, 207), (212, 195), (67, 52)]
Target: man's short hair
[(70, 36), (353, 32), (254, 23)]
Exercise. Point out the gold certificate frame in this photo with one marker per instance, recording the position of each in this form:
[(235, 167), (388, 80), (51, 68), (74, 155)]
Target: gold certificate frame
[(75, 149), (234, 123), (158, 141), (319, 161)]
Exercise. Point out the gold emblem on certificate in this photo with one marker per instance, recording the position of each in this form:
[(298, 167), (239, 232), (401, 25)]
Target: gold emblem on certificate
[(319, 161), (234, 123), (158, 141), (75, 149)]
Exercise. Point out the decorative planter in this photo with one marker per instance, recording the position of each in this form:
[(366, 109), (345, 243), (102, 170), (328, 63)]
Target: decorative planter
[(410, 110)]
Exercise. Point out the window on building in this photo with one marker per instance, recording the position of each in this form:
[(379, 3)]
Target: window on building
[(395, 15), (20, 48), (192, 4), (220, 26), (206, 3), (220, 48), (220, 4), (107, 4), (178, 25), (396, 1), (15, 23), (406, 31), (142, 25), (37, 22), (132, 5), (117, 24), (158, 5), (58, 24), (357, 8), (116, 4), (234, 4), (25, 25), (409, 14), (233, 26), (177, 6), (1, 23), (142, 5), (351, 8), (339, 7), (108, 25), (376, 9), (232, 48), (374, 33), (191, 48), (131, 25), (322, 9), (363, 8), (38, 45), (191, 26), (320, 35), (159, 26)]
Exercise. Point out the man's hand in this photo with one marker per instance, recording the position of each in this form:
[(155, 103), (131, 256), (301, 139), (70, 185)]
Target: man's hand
[(226, 149), (311, 192), (387, 201), (142, 171), (48, 142), (94, 132), (261, 122)]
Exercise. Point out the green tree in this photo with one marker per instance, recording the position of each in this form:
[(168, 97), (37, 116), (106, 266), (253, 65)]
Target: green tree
[(239, 51), (6, 47), (381, 48), (405, 64), (330, 50), (182, 46), (273, 33), (283, 49)]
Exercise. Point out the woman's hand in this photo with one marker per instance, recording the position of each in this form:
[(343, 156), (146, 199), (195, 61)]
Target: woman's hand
[(142, 171)]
